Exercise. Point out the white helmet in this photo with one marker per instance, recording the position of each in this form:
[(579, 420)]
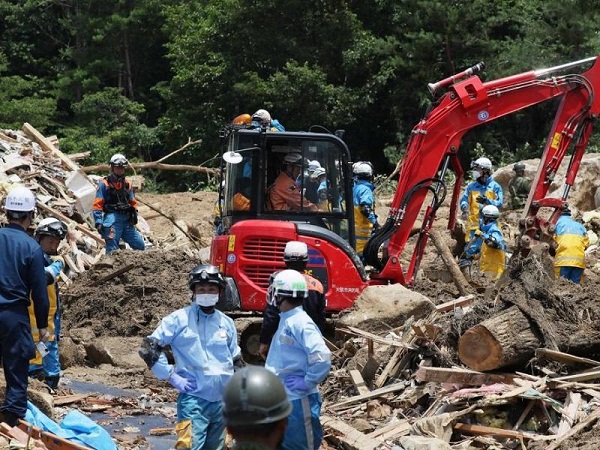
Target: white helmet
[(362, 168), (51, 227), (294, 158), (262, 116), (482, 163), (295, 251), (20, 199), (317, 173), (118, 160), (490, 212), (313, 165), (290, 283)]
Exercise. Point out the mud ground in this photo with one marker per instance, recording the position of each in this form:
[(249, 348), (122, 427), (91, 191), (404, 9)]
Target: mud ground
[(121, 311)]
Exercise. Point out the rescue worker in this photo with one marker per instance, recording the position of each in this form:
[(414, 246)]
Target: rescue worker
[(255, 409), (115, 208), (295, 257), (519, 187), (482, 191), (315, 183), (571, 241), (262, 119), (204, 345), (365, 219), (489, 242), (300, 358), (22, 276), (284, 194), (49, 233)]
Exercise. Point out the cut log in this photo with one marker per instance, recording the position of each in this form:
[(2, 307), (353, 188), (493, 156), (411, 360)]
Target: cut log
[(156, 166), (499, 341), (463, 286)]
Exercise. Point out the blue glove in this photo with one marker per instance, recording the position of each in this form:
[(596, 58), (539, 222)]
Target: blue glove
[(182, 384), (296, 383)]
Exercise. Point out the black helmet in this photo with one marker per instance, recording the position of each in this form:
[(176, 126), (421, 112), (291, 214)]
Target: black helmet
[(519, 166), (51, 227), (205, 274), (254, 396)]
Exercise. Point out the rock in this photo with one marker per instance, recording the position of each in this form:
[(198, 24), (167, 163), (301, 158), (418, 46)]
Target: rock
[(82, 335), (380, 308), (98, 354), (71, 354), (362, 425)]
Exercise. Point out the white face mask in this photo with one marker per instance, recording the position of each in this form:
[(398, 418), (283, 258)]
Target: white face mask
[(206, 300), (476, 174)]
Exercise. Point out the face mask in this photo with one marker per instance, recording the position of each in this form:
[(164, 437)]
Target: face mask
[(206, 300), (476, 174)]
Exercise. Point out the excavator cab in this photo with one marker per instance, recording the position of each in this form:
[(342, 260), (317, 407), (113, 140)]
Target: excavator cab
[(254, 231)]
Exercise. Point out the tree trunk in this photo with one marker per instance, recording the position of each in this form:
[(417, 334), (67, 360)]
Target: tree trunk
[(499, 341)]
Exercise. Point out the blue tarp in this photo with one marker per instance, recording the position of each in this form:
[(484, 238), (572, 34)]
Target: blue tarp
[(75, 427)]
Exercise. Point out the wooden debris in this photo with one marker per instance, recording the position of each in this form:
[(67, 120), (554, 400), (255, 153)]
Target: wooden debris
[(114, 274), (569, 414), (461, 376), (349, 437), (564, 358), (460, 281), (492, 431), (358, 382)]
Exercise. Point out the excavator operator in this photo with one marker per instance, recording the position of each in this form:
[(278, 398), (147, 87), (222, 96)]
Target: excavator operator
[(284, 194)]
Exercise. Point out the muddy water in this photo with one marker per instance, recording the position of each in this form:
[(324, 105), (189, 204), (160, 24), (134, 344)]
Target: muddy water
[(143, 422)]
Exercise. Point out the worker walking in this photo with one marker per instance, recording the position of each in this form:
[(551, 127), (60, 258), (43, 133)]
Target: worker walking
[(255, 409), (489, 243), (365, 219), (204, 345), (482, 191), (295, 257), (300, 358), (49, 233), (519, 187), (571, 241), (284, 194), (115, 208), (22, 277)]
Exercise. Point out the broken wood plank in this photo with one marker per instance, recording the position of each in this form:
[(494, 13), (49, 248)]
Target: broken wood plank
[(585, 376), (161, 431), (67, 220), (376, 393), (69, 399), (389, 367), (569, 414), (349, 437), (564, 358), (48, 147), (361, 333), (50, 440), (524, 414), (480, 430), (392, 430), (461, 376), (453, 304), (114, 274), (358, 382)]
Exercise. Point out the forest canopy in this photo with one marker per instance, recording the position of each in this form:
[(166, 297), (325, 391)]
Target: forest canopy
[(144, 77)]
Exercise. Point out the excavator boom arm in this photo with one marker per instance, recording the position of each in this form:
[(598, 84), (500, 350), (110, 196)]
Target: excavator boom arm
[(435, 142)]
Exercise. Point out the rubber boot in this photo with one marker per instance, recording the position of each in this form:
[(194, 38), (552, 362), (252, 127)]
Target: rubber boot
[(11, 419), (52, 381)]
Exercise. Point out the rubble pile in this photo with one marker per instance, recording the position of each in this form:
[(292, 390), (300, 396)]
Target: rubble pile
[(411, 386)]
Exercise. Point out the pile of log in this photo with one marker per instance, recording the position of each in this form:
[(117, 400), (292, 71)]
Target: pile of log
[(407, 388)]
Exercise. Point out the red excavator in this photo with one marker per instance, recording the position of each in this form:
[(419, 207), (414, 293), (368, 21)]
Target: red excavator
[(250, 246)]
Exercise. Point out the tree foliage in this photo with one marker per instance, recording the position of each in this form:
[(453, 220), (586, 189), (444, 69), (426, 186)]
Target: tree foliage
[(144, 77)]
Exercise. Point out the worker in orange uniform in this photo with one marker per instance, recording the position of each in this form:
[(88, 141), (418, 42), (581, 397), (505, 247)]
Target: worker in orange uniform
[(241, 199), (571, 241), (284, 194), (115, 208)]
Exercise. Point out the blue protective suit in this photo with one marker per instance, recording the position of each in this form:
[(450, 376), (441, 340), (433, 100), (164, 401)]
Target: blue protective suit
[(298, 349), (363, 196), (204, 347), (489, 189)]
